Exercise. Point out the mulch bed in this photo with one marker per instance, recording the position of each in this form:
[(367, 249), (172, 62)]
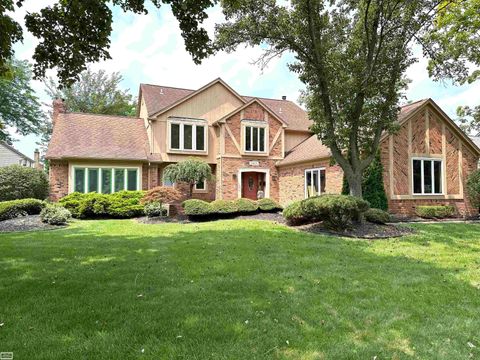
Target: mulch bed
[(25, 223), (182, 219), (364, 231)]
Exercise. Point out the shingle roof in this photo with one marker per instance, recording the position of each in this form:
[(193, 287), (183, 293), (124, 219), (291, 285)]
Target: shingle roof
[(159, 97), (91, 136)]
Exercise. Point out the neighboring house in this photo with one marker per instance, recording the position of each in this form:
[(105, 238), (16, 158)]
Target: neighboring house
[(11, 156), (254, 146)]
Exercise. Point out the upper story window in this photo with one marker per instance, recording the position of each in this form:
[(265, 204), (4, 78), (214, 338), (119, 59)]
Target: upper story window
[(254, 138), (105, 180), (314, 182), (427, 176), (188, 135)]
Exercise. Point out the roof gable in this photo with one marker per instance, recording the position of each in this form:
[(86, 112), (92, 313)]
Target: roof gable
[(15, 151), (252, 101)]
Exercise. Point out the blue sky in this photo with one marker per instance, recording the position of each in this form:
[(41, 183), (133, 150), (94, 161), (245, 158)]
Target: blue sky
[(149, 49)]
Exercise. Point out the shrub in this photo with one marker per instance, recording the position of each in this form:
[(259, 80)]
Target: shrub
[(435, 211), (377, 216), (190, 171), (20, 182), (93, 205), (195, 207), (224, 207), (268, 205), (126, 204), (12, 209), (154, 209), (336, 211), (473, 188), (246, 206), (294, 213), (161, 194), (71, 202), (55, 215)]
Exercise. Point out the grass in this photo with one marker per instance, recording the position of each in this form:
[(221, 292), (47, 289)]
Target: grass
[(238, 290)]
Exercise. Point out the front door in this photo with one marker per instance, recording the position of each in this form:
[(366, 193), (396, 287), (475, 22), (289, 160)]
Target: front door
[(250, 185)]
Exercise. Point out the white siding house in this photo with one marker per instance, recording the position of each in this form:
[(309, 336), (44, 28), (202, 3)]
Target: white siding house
[(10, 156)]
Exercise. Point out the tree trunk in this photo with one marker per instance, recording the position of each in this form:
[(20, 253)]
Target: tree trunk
[(191, 189), (355, 184)]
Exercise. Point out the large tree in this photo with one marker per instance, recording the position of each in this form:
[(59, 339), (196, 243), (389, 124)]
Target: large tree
[(20, 108), (351, 55), (73, 33)]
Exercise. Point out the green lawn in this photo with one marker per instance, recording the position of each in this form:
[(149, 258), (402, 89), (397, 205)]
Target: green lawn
[(238, 290)]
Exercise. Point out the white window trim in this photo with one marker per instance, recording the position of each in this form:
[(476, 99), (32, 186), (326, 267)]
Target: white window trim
[(442, 167), (267, 180), (194, 123), (255, 124), (319, 169), (72, 167), (205, 189)]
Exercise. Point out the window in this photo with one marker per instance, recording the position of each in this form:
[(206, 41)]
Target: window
[(314, 182), (427, 177), (104, 180), (254, 139), (187, 136), (201, 185), (168, 183)]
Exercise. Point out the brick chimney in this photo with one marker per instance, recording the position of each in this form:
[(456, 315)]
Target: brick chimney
[(284, 97), (36, 159), (58, 107)]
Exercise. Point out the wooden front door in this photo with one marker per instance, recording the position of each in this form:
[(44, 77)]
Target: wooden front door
[(250, 185)]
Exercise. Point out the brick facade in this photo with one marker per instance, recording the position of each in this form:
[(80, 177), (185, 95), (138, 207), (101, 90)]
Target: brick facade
[(58, 179)]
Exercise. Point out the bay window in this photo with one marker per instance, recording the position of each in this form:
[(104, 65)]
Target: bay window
[(427, 176), (105, 180), (254, 139), (188, 135), (314, 182)]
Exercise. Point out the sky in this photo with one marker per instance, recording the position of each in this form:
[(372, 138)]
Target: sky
[(150, 49)]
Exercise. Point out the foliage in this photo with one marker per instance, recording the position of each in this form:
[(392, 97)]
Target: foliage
[(14, 208), (162, 194), (21, 182), (195, 207), (55, 215), (473, 188), (435, 211), (20, 108), (86, 26), (246, 206), (154, 209), (372, 185), (190, 171), (377, 216), (224, 207), (352, 57), (122, 204), (267, 204), (336, 211)]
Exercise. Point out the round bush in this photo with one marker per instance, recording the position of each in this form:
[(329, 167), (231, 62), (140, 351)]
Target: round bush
[(195, 207), (246, 206), (155, 209), (224, 207), (377, 216), (55, 215), (294, 214), (14, 208), (473, 188), (268, 205), (20, 182), (94, 205)]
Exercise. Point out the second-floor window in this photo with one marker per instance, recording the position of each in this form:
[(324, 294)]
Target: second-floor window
[(254, 139), (187, 136)]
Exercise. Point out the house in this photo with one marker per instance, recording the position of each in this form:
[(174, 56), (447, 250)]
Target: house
[(11, 156), (254, 146)]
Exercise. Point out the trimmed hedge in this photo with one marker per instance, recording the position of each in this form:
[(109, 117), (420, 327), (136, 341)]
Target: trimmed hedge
[(377, 216), (268, 205), (336, 211), (154, 209), (224, 207), (14, 208), (435, 211), (54, 214), (195, 207), (20, 182), (123, 204), (246, 206)]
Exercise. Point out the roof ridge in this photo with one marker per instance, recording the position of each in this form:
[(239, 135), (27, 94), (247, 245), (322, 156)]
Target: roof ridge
[(164, 86), (414, 102), (108, 115)]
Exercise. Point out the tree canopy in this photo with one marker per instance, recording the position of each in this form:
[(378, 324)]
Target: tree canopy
[(73, 33), (190, 171), (351, 55), (19, 106)]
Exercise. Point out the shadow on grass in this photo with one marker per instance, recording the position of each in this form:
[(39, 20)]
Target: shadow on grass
[(229, 290)]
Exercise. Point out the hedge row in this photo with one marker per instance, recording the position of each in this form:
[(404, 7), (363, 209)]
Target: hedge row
[(122, 204), (336, 211), (435, 211), (219, 208), (14, 208)]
